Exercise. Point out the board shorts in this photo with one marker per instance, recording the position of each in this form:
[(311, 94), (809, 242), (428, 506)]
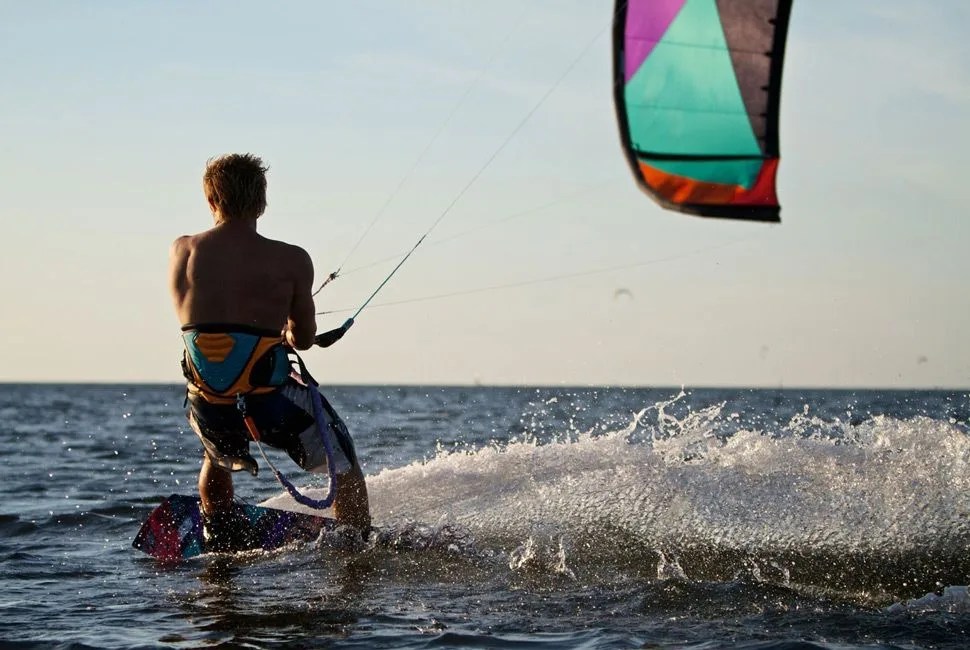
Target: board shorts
[(284, 420)]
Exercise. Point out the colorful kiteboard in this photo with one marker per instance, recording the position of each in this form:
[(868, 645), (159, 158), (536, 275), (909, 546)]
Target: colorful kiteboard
[(173, 531)]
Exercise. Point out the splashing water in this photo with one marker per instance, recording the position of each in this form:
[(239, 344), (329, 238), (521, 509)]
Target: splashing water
[(880, 506)]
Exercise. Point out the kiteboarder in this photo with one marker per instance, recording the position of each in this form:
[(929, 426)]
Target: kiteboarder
[(245, 305)]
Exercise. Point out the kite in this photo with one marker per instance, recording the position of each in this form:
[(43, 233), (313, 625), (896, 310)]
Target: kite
[(697, 93)]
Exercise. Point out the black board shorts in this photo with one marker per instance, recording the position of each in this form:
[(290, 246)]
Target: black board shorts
[(284, 419)]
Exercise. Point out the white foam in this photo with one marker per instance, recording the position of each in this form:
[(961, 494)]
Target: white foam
[(886, 487), (954, 599), (886, 484)]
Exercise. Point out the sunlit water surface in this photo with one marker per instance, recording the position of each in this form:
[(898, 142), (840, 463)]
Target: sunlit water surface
[(511, 518)]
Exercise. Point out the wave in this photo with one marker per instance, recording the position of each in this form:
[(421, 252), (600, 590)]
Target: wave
[(877, 506)]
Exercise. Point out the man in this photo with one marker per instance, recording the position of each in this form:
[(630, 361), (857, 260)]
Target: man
[(242, 300)]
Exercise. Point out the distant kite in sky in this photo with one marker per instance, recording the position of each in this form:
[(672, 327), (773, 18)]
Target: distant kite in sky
[(697, 90)]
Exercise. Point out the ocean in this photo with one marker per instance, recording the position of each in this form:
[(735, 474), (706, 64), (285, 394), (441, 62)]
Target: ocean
[(510, 518)]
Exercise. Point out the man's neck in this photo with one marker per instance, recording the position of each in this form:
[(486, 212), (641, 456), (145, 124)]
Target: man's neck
[(235, 224)]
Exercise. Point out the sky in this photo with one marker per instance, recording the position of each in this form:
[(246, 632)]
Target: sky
[(551, 268)]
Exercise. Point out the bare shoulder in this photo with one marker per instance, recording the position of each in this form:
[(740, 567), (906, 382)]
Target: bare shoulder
[(181, 247), (300, 257), (181, 243), (293, 256), (179, 255), (302, 265)]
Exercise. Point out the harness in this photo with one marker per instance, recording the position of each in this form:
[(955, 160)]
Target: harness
[(224, 364), (222, 361)]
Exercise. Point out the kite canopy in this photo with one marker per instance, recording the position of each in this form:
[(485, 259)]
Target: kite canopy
[(697, 89)]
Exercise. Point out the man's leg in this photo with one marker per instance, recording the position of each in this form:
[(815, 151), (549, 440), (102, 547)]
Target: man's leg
[(225, 526), (215, 487), (308, 449), (350, 504)]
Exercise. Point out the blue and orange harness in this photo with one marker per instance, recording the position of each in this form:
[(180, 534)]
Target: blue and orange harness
[(225, 363)]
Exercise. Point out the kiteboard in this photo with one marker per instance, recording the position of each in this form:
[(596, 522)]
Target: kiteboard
[(173, 531)]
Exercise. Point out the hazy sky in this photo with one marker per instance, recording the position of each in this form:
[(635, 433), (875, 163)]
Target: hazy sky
[(110, 110)]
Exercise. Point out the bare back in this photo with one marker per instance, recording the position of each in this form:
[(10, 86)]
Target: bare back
[(231, 274)]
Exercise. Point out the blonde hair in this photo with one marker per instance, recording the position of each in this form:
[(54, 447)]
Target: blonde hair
[(235, 183)]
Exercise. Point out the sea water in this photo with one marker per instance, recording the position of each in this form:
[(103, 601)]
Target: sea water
[(510, 518)]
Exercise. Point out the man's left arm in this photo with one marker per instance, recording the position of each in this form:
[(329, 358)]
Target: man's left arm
[(178, 283)]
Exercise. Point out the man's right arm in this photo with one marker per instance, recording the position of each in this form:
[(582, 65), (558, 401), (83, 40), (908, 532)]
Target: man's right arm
[(301, 326)]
